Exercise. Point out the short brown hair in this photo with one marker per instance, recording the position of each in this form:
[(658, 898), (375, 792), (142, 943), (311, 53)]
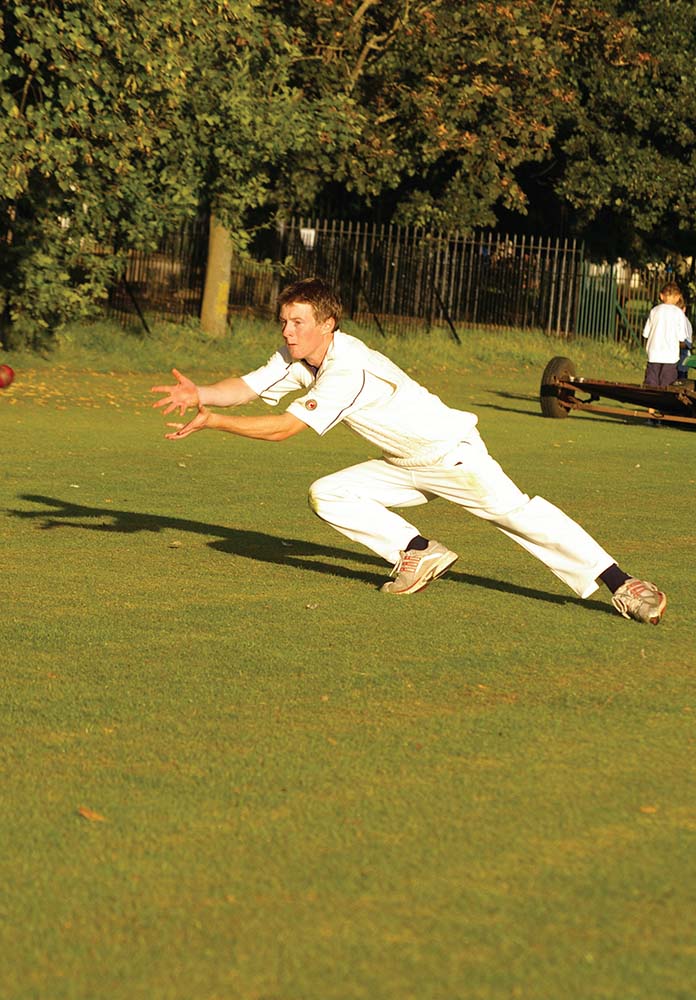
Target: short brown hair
[(318, 294), (672, 292)]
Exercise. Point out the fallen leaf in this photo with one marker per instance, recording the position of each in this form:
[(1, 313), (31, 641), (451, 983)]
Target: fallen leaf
[(91, 815), (648, 810)]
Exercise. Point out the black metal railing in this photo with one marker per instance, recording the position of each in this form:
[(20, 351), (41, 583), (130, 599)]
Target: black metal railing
[(398, 279), (166, 283)]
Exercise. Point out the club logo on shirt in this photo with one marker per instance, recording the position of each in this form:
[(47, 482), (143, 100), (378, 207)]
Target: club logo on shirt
[(311, 404)]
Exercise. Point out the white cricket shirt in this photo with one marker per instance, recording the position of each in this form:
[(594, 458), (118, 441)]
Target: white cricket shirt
[(362, 388), (665, 328)]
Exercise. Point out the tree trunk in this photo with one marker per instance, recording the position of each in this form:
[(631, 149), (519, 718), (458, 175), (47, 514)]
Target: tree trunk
[(217, 280)]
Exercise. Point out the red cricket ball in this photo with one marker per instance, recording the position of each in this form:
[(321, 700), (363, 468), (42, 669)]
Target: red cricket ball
[(6, 376)]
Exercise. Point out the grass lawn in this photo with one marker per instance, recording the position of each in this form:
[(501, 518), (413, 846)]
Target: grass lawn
[(232, 770)]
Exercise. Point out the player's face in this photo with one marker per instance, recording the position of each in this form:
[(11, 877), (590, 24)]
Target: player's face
[(305, 338)]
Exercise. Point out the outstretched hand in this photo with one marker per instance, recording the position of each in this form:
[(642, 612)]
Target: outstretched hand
[(178, 397), (199, 422)]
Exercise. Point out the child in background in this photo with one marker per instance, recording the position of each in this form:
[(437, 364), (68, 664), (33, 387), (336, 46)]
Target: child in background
[(666, 332)]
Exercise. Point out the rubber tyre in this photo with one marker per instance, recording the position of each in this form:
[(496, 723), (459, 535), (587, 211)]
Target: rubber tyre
[(549, 393)]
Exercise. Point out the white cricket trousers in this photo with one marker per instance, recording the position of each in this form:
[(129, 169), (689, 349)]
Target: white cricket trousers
[(356, 502)]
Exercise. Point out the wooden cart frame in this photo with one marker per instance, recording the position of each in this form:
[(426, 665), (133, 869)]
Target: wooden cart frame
[(562, 390)]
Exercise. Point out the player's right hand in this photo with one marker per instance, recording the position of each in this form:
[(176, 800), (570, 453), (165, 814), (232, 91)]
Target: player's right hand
[(179, 397), (198, 423)]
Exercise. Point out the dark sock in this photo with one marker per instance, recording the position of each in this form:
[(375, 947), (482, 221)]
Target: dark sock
[(418, 542), (613, 577)]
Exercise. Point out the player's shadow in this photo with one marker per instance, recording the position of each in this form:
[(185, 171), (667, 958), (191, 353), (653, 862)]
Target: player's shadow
[(255, 545)]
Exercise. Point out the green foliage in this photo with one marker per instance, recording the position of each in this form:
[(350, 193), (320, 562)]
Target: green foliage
[(441, 103), (450, 114), (119, 118), (50, 277), (627, 141)]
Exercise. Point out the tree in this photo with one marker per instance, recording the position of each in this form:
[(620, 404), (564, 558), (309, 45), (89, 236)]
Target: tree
[(436, 104), (91, 143), (459, 114), (247, 119), (624, 153), (120, 117)]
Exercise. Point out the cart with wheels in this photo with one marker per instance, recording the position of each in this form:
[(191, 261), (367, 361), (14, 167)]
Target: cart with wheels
[(562, 391)]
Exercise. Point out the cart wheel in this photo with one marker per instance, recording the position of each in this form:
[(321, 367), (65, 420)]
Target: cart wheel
[(550, 395)]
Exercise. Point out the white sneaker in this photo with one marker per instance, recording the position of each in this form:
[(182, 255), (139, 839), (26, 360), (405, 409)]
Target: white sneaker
[(640, 600), (416, 568)]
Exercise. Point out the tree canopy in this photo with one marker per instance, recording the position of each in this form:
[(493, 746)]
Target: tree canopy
[(447, 100), (121, 118), (624, 158), (576, 111)]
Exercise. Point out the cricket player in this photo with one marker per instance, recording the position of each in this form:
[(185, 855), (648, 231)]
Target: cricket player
[(428, 450)]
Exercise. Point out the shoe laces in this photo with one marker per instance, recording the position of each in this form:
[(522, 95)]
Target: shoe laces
[(633, 595), (637, 590), (407, 562)]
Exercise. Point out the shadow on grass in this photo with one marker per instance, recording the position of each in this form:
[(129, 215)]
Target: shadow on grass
[(503, 394), (540, 416), (258, 546)]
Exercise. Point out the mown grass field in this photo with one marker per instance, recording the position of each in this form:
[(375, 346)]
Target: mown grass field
[(232, 770)]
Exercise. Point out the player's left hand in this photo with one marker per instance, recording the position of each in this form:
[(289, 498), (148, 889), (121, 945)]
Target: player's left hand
[(177, 397), (199, 423)]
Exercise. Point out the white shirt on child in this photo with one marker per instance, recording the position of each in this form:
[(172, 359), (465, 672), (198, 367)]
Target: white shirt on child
[(665, 329)]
